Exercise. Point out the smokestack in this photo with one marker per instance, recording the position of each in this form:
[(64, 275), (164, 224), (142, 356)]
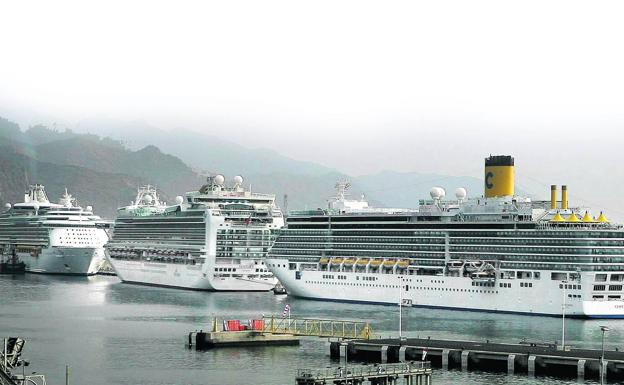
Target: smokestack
[(564, 197), (499, 176), (553, 196)]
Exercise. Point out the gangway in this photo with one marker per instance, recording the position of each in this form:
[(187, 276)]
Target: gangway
[(312, 327)]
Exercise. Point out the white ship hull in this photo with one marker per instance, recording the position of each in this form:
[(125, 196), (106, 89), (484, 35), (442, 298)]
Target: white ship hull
[(65, 260), (193, 277), (542, 297)]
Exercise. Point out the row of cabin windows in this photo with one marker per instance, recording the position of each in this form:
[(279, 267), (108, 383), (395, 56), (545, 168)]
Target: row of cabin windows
[(604, 287), (609, 297), (571, 287), (485, 284), (612, 277)]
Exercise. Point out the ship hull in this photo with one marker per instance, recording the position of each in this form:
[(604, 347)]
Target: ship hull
[(542, 297), (64, 260), (191, 277)]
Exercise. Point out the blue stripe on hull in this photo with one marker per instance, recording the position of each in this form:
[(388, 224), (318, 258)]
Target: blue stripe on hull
[(579, 316)]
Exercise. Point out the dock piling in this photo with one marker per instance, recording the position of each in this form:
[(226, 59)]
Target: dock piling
[(531, 366), (384, 354), (464, 360), (445, 359), (511, 360), (580, 369)]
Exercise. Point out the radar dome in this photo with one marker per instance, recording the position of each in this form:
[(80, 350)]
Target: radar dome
[(219, 179), (179, 200), (442, 192), (460, 193), (147, 199), (436, 192), (8, 205), (89, 208), (238, 179)]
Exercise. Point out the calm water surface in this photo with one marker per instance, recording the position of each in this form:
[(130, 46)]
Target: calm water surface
[(113, 333)]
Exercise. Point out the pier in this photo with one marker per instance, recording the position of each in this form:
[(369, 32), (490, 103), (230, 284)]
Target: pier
[(529, 358), (415, 373), (276, 331)]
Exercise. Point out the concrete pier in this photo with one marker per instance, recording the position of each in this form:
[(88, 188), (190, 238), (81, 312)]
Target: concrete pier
[(522, 358)]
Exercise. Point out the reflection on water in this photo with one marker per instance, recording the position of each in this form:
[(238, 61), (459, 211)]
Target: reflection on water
[(113, 333)]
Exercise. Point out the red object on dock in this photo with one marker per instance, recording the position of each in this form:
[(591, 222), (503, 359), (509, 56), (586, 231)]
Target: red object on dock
[(257, 324), (233, 325)]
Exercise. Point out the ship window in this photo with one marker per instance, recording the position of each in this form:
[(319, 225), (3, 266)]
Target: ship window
[(601, 277), (599, 287), (598, 296), (615, 287)]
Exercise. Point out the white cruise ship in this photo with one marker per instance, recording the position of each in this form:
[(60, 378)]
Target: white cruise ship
[(212, 239), (53, 238), (498, 252)]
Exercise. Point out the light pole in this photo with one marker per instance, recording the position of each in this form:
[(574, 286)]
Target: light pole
[(604, 330)]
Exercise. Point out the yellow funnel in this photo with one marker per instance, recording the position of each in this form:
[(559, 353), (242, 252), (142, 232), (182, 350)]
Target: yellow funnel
[(564, 197), (553, 197), (572, 218), (499, 176), (557, 218), (602, 218), (587, 217)]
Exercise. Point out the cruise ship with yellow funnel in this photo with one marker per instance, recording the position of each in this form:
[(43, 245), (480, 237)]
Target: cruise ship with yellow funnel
[(498, 252)]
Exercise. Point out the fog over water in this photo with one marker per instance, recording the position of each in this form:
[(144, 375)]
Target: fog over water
[(360, 86)]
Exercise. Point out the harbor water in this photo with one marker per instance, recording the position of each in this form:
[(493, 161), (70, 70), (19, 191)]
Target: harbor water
[(114, 333)]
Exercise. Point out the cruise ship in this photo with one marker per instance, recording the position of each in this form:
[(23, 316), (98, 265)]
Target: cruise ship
[(213, 239), (53, 238), (498, 253)]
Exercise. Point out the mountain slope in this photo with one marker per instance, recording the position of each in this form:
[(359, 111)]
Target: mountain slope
[(104, 191), (202, 151)]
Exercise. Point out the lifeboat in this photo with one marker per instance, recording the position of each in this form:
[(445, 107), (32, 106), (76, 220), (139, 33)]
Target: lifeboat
[(389, 262), (404, 263), (376, 262), (324, 261), (349, 261), (337, 261), (363, 261)]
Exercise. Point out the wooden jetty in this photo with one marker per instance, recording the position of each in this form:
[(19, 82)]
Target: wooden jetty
[(530, 358), (415, 373)]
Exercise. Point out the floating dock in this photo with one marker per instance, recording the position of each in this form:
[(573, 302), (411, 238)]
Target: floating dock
[(276, 331), (416, 373), (525, 357), (212, 340), (236, 333)]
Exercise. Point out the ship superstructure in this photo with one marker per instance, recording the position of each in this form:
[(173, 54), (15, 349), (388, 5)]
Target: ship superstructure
[(498, 252), (53, 238), (215, 238)]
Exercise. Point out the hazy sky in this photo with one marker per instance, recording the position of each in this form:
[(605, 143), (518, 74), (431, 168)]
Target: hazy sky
[(357, 85)]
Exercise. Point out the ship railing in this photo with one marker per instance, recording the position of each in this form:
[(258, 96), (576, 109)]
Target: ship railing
[(366, 371), (34, 379)]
